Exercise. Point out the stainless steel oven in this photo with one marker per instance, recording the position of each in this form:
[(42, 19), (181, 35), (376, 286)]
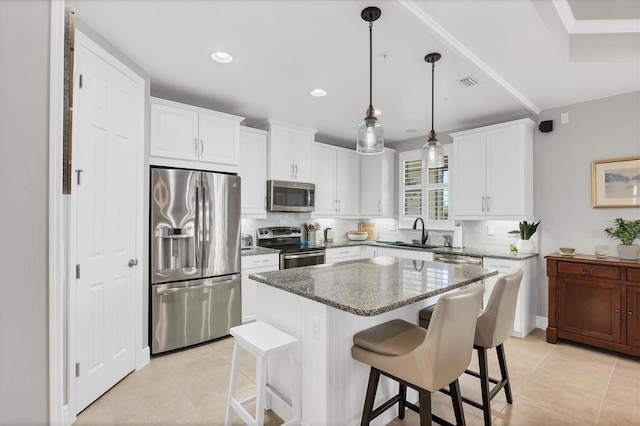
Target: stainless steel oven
[(302, 258), (292, 253), (284, 196)]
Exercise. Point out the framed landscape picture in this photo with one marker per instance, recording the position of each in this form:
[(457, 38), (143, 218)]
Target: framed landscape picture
[(616, 183)]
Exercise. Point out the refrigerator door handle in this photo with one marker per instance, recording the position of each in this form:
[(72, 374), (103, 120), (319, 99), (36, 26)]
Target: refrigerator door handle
[(203, 227), (165, 291), (197, 226)]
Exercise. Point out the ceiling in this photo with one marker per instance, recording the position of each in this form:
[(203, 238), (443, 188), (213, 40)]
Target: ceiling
[(526, 55)]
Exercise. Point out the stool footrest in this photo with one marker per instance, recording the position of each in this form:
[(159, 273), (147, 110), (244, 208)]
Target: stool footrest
[(274, 392), (242, 412)]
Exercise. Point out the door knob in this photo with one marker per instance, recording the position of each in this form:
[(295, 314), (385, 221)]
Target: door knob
[(132, 263)]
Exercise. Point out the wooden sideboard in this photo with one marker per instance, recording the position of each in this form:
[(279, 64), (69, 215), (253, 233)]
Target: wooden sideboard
[(594, 301)]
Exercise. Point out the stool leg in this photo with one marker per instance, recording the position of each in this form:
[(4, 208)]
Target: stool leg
[(424, 398), (456, 399), (374, 377), (232, 384), (295, 394), (403, 397), (484, 384), (261, 378), (504, 372)]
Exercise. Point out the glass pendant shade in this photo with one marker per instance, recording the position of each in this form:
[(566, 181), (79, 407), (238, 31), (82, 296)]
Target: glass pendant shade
[(370, 137), (432, 155)]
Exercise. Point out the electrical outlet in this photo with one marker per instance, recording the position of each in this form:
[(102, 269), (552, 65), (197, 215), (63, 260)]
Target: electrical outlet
[(392, 226), (564, 118), (491, 230)]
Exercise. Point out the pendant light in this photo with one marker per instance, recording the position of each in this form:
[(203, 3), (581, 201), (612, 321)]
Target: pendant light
[(432, 151), (370, 137)]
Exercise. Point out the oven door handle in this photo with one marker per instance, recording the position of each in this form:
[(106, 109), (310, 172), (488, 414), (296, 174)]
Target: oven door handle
[(302, 256)]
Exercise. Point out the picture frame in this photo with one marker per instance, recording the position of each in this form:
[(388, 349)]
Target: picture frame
[(615, 183)]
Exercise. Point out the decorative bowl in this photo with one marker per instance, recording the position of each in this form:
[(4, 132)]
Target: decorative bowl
[(357, 235), (566, 251), (601, 250)]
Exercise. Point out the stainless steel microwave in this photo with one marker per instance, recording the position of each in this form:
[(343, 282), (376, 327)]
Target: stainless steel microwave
[(285, 196)]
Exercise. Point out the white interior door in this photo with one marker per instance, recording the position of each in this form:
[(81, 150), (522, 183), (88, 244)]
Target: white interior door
[(106, 150)]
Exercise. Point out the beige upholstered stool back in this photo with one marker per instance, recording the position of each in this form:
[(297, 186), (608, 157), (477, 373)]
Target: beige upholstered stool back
[(449, 341), (495, 323)]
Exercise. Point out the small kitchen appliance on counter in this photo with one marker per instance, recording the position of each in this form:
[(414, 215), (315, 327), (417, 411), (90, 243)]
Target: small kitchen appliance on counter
[(246, 242), (288, 241)]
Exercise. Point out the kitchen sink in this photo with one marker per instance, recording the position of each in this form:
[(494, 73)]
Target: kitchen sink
[(413, 245)]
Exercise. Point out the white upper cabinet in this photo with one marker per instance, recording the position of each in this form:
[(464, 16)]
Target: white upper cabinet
[(253, 171), (192, 137), (376, 184), (337, 180), (289, 152), (494, 171)]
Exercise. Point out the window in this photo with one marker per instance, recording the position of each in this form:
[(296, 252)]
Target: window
[(424, 193)]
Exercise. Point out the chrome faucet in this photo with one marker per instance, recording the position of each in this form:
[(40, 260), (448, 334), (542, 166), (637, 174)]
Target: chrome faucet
[(425, 234)]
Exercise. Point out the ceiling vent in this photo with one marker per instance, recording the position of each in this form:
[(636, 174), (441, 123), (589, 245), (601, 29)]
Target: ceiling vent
[(468, 81)]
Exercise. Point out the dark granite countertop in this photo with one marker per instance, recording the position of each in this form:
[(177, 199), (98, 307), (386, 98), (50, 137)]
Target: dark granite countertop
[(258, 250), (467, 251), (369, 287)]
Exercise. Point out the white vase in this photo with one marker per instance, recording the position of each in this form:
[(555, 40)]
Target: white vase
[(525, 246), (628, 251)]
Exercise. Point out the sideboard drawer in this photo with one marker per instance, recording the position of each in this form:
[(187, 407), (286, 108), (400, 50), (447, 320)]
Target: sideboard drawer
[(585, 269), (633, 274)]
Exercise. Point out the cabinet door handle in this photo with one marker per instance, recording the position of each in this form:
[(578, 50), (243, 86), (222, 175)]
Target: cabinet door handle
[(379, 206), (630, 312), (583, 272), (201, 147), (617, 310), (292, 174), (487, 198), (296, 168), (339, 206), (195, 142)]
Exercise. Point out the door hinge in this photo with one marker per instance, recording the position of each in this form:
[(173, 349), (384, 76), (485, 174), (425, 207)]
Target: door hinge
[(79, 173), (77, 369), (80, 81), (78, 271)]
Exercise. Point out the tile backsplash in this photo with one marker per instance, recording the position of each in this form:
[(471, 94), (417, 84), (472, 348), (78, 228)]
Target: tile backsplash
[(474, 233)]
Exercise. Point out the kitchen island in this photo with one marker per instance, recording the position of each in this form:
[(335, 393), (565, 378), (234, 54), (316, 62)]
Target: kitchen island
[(325, 305)]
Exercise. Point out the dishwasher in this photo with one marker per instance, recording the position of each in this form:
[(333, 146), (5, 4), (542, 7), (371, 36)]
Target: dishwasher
[(461, 259)]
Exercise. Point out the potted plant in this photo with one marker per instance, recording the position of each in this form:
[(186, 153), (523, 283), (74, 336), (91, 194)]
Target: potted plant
[(627, 231), (526, 230)]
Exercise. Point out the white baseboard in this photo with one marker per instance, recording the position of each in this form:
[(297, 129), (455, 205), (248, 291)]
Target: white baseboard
[(542, 322), (143, 358)]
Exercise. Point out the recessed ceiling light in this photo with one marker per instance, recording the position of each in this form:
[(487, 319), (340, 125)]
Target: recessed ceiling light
[(318, 93), (222, 57)]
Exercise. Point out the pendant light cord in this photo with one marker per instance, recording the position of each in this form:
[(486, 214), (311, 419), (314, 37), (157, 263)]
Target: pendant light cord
[(370, 64), (433, 67)]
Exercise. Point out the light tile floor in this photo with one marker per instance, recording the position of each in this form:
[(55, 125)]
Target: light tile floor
[(560, 384)]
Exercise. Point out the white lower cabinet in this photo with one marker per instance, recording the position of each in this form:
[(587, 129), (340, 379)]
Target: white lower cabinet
[(341, 254), (525, 319), (254, 265), (369, 251)]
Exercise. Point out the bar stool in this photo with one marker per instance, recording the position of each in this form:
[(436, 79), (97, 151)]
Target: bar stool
[(424, 360), (494, 326), (261, 340)]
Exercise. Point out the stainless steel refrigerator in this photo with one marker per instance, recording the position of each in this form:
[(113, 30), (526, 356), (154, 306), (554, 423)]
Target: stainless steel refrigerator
[(195, 257)]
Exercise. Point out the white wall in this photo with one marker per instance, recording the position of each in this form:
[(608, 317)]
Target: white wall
[(597, 130), (24, 130)]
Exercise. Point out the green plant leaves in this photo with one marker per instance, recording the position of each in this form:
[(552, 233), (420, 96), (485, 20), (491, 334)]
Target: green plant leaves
[(627, 231)]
